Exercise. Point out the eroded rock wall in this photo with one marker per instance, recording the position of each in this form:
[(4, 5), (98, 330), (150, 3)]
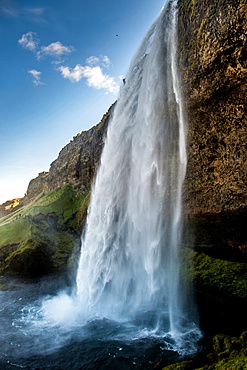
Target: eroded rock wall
[(213, 62)]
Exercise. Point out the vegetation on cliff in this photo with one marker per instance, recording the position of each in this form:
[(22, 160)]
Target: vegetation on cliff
[(76, 163), (40, 238), (41, 234)]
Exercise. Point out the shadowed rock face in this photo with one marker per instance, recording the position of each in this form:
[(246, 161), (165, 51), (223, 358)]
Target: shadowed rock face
[(213, 64), (213, 61)]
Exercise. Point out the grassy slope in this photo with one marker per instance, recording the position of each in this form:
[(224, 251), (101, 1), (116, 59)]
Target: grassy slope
[(41, 236)]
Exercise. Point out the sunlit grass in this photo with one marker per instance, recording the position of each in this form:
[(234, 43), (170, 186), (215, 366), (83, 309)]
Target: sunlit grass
[(49, 226)]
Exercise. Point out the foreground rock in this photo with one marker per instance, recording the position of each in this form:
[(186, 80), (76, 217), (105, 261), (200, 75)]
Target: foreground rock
[(228, 353)]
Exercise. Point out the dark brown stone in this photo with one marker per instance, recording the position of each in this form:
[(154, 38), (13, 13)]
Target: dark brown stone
[(213, 62)]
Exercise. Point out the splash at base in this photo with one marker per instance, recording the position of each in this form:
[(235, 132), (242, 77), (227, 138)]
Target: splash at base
[(129, 261), (128, 286)]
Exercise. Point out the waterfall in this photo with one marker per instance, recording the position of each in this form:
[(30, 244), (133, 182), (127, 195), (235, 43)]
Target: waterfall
[(129, 262)]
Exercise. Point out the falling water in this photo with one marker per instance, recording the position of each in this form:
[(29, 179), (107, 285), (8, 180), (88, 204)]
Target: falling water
[(129, 259), (129, 298)]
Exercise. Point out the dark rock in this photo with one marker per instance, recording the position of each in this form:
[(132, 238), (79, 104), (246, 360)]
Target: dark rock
[(213, 62)]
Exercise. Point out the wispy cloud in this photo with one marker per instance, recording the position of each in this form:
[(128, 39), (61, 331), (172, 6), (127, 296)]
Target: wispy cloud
[(55, 49), (105, 61), (36, 77), (102, 60), (36, 15), (8, 11), (35, 11), (94, 76), (29, 41), (92, 60), (33, 14)]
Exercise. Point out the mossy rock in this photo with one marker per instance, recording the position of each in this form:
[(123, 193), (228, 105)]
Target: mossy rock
[(32, 258), (229, 354), (224, 343), (225, 280), (43, 237)]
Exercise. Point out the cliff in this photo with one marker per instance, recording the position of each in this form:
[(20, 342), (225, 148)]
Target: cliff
[(212, 46), (76, 163), (10, 206), (213, 63)]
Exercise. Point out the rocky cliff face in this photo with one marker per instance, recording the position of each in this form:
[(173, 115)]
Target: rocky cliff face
[(213, 61), (43, 235), (76, 163), (212, 43), (10, 206)]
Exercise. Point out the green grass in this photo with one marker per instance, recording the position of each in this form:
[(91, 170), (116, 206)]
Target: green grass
[(15, 231), (63, 202), (47, 229)]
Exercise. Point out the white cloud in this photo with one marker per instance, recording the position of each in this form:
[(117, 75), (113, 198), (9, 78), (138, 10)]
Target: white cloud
[(106, 61), (102, 60), (98, 80), (94, 76), (36, 77), (92, 60), (29, 41), (74, 75), (55, 49)]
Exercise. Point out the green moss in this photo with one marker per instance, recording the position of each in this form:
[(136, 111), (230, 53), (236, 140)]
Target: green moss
[(82, 213), (223, 278), (31, 258), (48, 230), (64, 202), (229, 354), (201, 28), (239, 363)]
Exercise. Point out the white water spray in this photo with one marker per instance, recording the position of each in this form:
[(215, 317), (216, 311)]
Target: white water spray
[(129, 259), (129, 286)]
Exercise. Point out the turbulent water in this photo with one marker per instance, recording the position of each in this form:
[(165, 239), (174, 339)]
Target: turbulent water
[(129, 303)]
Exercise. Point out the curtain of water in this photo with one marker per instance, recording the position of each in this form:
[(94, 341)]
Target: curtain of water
[(129, 257)]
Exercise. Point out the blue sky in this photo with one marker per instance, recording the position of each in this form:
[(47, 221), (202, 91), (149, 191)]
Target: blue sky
[(62, 64)]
